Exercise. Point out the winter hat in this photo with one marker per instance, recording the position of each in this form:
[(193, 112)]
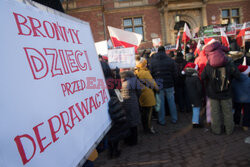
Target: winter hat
[(208, 41), (189, 65), (244, 69)]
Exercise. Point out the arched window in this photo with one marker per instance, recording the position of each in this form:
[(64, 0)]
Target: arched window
[(179, 26)]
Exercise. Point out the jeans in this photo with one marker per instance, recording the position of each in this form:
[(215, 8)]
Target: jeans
[(196, 115), (169, 92)]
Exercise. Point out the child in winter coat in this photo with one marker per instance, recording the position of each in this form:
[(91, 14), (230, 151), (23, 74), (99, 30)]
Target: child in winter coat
[(194, 91)]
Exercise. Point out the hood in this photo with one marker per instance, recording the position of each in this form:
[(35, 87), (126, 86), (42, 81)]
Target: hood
[(212, 46)]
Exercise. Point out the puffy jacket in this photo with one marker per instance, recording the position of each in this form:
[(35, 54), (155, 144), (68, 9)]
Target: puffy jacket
[(207, 77), (193, 87), (164, 69), (215, 53)]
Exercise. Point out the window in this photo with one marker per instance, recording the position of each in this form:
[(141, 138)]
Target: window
[(134, 24), (230, 16)]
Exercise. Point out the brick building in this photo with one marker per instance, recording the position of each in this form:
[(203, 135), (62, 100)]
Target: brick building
[(156, 18)]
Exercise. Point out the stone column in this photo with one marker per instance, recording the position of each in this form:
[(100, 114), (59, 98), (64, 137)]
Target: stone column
[(166, 25), (204, 14), (163, 28)]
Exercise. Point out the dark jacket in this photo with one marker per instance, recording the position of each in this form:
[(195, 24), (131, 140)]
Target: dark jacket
[(233, 45), (207, 77), (130, 96), (241, 89), (193, 87), (215, 53), (180, 63), (120, 126), (163, 68)]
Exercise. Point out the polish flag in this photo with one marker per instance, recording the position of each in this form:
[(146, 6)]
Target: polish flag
[(197, 50), (224, 38), (186, 36), (241, 35), (178, 40), (123, 38)]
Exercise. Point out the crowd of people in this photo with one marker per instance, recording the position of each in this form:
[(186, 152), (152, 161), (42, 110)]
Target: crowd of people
[(211, 84)]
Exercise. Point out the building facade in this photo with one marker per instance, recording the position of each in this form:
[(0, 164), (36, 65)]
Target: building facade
[(156, 18)]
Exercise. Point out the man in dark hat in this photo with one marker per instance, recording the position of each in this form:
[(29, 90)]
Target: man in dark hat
[(164, 70)]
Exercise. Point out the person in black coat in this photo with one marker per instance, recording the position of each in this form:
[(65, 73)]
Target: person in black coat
[(219, 92), (164, 70), (193, 88), (120, 125), (180, 82)]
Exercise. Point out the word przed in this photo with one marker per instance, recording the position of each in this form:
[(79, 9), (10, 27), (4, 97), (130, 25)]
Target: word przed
[(73, 87)]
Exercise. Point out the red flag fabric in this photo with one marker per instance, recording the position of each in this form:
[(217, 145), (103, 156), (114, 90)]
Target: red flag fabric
[(241, 35), (123, 38), (186, 36), (177, 40), (201, 61), (224, 38), (197, 50)]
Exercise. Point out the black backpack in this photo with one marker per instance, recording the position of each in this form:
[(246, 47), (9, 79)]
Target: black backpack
[(220, 79)]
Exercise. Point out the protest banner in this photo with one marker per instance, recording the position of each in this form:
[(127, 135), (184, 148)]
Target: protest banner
[(156, 42), (121, 58), (102, 47), (54, 103), (214, 30)]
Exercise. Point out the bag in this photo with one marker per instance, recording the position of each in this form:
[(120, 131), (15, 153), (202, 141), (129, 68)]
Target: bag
[(220, 79)]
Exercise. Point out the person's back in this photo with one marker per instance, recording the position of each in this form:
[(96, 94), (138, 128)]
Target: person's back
[(163, 68), (209, 75), (219, 90)]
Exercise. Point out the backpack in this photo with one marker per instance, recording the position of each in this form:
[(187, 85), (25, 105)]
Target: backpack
[(220, 79)]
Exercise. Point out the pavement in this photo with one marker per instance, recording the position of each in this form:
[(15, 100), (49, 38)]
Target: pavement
[(179, 145)]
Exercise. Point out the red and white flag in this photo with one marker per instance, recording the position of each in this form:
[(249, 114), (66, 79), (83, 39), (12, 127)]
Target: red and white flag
[(178, 40), (186, 36), (197, 50), (224, 39), (241, 35), (123, 38)]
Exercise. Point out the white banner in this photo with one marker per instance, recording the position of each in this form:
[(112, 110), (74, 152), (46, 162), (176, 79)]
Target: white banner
[(53, 97), (121, 58), (102, 47), (156, 42)]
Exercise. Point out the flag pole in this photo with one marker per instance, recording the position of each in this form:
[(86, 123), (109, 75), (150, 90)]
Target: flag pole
[(244, 49), (185, 49)]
